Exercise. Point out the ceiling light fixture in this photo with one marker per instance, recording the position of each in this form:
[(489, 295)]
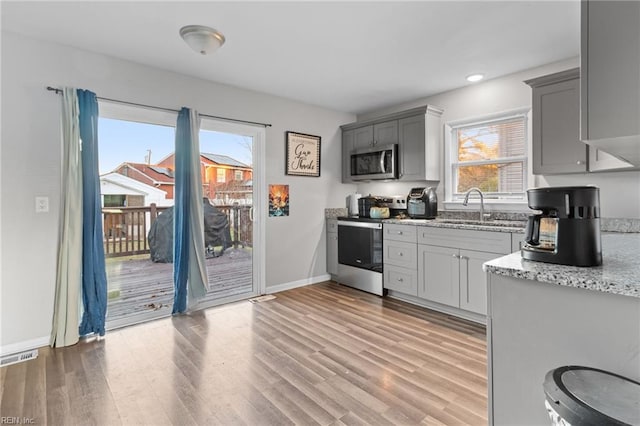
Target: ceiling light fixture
[(475, 77), (203, 40)]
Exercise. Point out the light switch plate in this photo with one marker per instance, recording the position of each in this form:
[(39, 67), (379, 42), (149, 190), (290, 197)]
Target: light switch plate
[(42, 204)]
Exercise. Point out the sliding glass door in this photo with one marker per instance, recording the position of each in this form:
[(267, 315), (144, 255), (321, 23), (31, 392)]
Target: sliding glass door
[(137, 165), (229, 176)]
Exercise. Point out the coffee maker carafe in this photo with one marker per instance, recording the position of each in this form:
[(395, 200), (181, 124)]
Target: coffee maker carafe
[(567, 231)]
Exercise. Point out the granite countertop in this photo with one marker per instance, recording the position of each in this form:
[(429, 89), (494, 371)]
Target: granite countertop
[(618, 274), (488, 225)]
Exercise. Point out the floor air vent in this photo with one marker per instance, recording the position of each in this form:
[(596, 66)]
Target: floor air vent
[(262, 298), (16, 358)]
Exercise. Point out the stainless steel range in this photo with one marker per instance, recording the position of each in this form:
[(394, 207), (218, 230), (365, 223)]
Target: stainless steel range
[(360, 253)]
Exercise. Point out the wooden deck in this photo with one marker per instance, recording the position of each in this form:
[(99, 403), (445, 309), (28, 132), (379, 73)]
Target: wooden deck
[(146, 288)]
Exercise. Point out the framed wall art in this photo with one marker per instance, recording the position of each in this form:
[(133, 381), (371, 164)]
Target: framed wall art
[(278, 200), (302, 154)]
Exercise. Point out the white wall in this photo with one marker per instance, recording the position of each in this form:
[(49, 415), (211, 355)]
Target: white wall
[(619, 191), (295, 245)]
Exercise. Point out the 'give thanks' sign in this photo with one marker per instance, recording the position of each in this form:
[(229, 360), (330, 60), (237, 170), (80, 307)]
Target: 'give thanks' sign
[(303, 154)]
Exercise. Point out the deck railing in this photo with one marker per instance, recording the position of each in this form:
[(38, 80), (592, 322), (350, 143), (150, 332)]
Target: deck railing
[(126, 228)]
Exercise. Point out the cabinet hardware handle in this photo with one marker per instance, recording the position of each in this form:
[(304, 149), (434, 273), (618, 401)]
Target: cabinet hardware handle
[(579, 162), (455, 256), (400, 253), (400, 280)]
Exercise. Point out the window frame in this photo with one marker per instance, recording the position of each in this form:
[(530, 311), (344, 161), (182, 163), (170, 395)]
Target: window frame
[(221, 177), (451, 162)]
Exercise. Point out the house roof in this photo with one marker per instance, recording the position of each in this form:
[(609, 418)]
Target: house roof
[(154, 173), (122, 184), (223, 160)]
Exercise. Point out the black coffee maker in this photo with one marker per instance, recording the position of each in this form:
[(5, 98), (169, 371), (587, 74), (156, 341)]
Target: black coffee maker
[(567, 231)]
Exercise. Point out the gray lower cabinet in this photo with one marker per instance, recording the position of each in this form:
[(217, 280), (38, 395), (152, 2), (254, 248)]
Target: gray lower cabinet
[(534, 327), (439, 274), (332, 247), (450, 265), (399, 255)]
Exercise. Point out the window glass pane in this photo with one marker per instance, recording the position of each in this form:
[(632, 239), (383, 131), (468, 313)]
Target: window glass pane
[(497, 178), (491, 141), (220, 175)]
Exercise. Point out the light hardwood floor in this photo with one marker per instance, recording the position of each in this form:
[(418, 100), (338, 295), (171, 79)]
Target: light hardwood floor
[(323, 354)]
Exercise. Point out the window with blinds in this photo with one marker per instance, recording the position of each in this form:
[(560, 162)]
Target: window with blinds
[(491, 156)]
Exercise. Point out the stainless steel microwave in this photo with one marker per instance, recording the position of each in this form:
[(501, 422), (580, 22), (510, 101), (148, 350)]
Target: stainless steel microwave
[(378, 162)]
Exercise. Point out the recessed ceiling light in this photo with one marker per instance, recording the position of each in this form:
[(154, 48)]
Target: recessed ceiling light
[(202, 39), (475, 77)]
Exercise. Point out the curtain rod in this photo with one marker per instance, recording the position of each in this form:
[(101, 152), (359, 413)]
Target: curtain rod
[(58, 91)]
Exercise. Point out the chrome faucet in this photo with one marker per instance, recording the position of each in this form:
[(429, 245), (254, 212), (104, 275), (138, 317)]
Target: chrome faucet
[(466, 201)]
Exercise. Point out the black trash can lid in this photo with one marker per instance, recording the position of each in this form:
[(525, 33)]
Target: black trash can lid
[(584, 395)]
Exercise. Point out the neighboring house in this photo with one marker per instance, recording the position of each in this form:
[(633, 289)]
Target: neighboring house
[(119, 190), (156, 176), (224, 179)]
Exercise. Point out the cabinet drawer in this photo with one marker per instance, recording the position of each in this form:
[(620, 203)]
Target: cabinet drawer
[(405, 233), (332, 225), (487, 241), (399, 253), (400, 279)]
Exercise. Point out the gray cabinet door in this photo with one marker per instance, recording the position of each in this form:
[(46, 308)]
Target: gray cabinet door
[(473, 280), (332, 246), (363, 137), (400, 279), (385, 133), (411, 147), (557, 147), (610, 61), (439, 274), (347, 147)]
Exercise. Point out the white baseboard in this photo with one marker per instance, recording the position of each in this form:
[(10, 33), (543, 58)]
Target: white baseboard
[(27, 345), (295, 284)]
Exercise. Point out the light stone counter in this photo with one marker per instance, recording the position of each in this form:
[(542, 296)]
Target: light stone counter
[(489, 225), (618, 274)]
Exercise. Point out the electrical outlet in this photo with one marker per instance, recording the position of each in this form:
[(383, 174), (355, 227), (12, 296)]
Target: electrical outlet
[(42, 204)]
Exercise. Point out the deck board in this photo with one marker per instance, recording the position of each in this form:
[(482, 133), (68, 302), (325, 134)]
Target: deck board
[(147, 287)]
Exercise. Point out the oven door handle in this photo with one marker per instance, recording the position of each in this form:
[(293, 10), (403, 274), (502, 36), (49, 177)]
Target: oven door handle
[(370, 225)]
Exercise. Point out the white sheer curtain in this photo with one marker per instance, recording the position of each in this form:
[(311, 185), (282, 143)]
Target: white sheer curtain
[(66, 313)]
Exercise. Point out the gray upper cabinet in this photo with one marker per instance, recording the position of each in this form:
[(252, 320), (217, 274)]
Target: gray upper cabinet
[(377, 134), (417, 133), (557, 147), (348, 143), (420, 145), (610, 77)]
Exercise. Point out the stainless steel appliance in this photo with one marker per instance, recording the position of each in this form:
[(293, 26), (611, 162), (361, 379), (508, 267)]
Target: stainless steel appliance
[(397, 206), (567, 231), (365, 204), (378, 162), (360, 254), (422, 203)]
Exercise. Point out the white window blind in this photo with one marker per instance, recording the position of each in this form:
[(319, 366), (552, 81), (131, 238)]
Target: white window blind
[(492, 156)]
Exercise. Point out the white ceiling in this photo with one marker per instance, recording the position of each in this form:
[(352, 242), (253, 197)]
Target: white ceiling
[(347, 56)]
